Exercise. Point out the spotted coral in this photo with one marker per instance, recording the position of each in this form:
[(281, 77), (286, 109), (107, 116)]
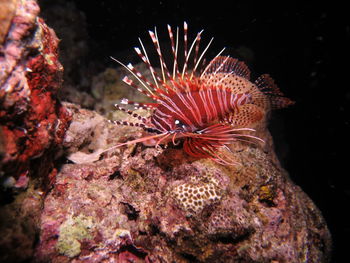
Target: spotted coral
[(194, 195)]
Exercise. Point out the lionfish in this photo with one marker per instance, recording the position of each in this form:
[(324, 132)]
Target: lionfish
[(207, 106)]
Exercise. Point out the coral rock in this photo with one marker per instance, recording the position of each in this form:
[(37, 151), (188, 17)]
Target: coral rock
[(32, 120), (32, 123), (159, 205)]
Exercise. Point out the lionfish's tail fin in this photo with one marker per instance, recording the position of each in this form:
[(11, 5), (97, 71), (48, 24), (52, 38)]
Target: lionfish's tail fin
[(268, 87)]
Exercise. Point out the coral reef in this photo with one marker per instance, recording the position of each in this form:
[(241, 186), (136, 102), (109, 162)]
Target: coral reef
[(32, 122), (159, 205), (133, 203)]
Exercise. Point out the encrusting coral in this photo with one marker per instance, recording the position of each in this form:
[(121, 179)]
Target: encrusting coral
[(195, 195)]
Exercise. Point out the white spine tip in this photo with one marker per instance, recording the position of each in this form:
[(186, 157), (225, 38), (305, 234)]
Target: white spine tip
[(127, 80), (124, 101), (154, 39)]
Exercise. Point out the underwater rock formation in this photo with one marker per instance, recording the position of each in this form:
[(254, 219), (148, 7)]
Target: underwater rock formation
[(32, 123), (159, 205), (32, 120)]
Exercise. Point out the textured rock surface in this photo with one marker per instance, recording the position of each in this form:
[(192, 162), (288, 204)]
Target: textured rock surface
[(159, 205), (32, 122), (31, 118)]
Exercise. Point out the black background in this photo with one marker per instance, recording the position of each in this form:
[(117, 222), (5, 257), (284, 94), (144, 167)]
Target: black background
[(302, 46)]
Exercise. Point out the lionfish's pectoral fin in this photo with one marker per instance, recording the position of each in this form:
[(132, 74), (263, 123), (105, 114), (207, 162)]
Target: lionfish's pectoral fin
[(200, 148)]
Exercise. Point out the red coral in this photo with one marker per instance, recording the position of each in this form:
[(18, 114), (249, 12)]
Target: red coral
[(33, 121)]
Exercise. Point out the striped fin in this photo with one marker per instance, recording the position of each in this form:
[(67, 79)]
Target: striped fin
[(131, 124), (131, 83), (163, 66), (267, 86), (131, 113), (139, 105), (205, 143), (174, 49), (225, 64)]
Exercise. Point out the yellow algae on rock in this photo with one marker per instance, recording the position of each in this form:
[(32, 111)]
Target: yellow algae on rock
[(72, 232)]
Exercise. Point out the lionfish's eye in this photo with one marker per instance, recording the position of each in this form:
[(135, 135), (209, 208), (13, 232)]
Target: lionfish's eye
[(180, 124)]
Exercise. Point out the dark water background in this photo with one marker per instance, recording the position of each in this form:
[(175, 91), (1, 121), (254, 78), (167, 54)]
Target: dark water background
[(302, 46)]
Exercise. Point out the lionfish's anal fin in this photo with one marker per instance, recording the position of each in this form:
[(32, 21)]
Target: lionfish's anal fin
[(224, 64), (267, 85)]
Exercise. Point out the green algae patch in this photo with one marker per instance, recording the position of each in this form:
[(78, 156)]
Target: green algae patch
[(72, 231)]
